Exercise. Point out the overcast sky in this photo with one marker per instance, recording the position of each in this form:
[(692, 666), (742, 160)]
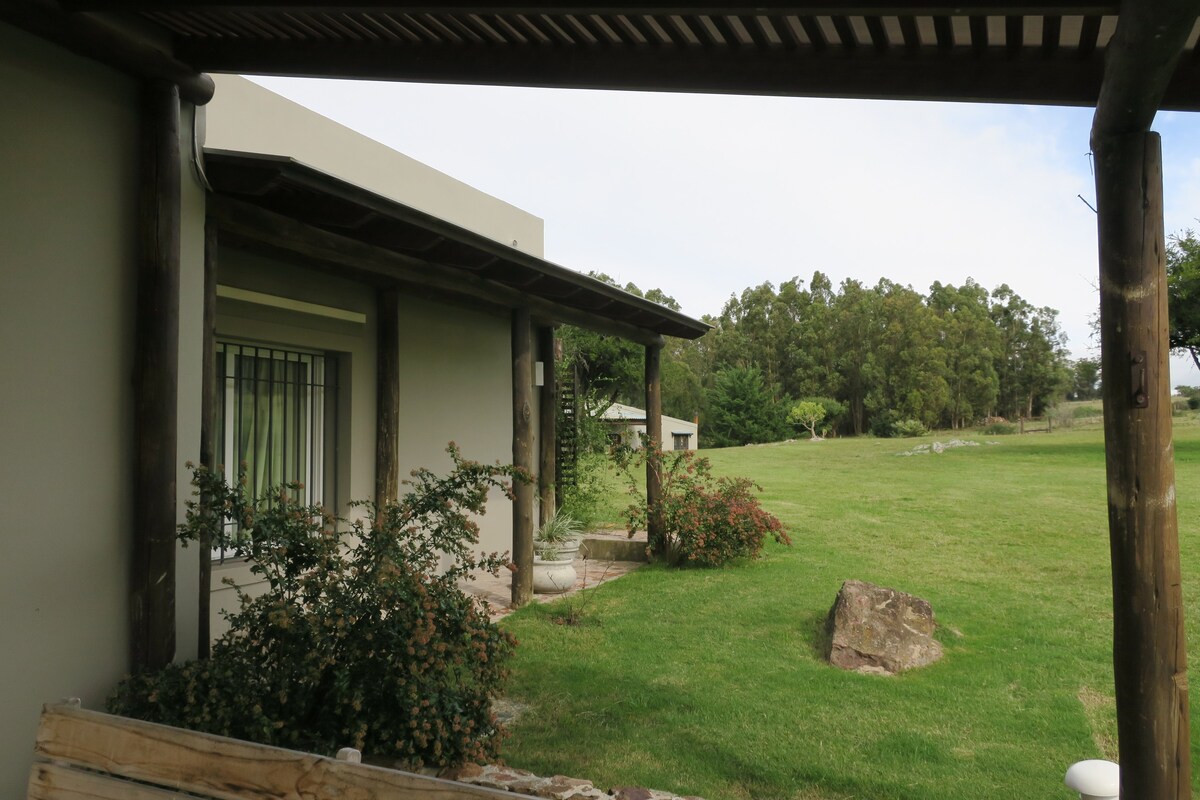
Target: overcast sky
[(704, 195)]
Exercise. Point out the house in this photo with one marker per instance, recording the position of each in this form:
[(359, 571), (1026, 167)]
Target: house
[(105, 221), (627, 425), (359, 310)]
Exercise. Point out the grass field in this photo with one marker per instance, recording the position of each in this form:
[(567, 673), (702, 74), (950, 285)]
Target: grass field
[(709, 682)]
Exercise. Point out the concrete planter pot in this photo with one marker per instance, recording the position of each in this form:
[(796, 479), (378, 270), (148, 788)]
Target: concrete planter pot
[(553, 577)]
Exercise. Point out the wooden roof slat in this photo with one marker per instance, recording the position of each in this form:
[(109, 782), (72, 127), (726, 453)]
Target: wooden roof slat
[(912, 36), (584, 32), (1032, 27), (876, 34), (943, 33), (1089, 35), (1014, 34), (508, 30), (465, 29), (979, 32), (442, 27), (791, 34), (845, 32), (766, 30), (635, 30), (1051, 34), (752, 28)]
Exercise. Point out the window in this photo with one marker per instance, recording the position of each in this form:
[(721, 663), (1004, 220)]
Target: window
[(277, 416), (681, 440)]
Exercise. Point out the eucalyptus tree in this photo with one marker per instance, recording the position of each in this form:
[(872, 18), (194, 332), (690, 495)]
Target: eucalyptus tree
[(969, 342)]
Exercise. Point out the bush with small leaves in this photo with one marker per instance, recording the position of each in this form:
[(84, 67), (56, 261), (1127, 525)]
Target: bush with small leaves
[(706, 521), (362, 640), (907, 428), (998, 429)]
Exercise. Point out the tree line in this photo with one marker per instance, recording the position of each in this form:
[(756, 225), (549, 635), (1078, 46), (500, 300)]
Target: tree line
[(875, 357)]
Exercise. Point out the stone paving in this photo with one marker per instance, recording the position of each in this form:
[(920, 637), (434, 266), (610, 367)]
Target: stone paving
[(590, 572), (557, 787)]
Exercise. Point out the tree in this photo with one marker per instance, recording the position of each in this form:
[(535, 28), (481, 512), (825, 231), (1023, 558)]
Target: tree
[(1085, 379), (807, 414), (1183, 294), (969, 340), (741, 410)]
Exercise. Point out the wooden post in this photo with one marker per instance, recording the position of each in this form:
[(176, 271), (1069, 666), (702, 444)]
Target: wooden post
[(1149, 654), (654, 523), (522, 451), (548, 428), (208, 427), (156, 384), (387, 408)]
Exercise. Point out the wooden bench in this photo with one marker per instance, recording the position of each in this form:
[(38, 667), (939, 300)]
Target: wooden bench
[(88, 755)]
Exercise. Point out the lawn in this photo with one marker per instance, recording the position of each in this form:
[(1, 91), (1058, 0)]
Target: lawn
[(709, 682)]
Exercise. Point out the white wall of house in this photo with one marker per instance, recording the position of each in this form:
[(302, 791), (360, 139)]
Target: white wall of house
[(456, 385), (69, 146), (245, 116), (629, 423)]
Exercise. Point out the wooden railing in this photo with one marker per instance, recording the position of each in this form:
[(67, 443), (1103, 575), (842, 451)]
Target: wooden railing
[(88, 755)]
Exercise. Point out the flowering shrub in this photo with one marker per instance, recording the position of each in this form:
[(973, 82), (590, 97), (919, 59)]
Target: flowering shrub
[(706, 521), (359, 641)]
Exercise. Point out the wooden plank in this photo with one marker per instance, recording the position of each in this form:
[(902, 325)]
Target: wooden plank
[(522, 452), (1149, 645), (860, 8), (548, 425), (387, 409), (156, 384), (655, 528), (56, 782), (226, 769)]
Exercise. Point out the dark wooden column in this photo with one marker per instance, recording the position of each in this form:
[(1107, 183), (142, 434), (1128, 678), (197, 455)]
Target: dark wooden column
[(548, 427), (387, 409), (522, 453), (654, 522), (1149, 653), (156, 383), (208, 426)]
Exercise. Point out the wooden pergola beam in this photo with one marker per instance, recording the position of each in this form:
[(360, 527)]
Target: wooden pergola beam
[(280, 233), (93, 37), (860, 8), (924, 73), (208, 427), (1149, 639)]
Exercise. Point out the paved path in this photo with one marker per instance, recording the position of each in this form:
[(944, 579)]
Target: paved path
[(497, 591)]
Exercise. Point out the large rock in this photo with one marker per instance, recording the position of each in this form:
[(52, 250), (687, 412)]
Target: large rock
[(879, 630)]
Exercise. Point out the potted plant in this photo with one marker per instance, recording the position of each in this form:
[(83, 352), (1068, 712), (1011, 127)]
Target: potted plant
[(554, 547)]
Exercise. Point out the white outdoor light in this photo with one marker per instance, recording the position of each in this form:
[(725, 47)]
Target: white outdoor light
[(539, 373), (1095, 779)]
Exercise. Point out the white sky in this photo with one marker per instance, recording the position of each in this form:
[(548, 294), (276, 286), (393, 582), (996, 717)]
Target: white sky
[(705, 195)]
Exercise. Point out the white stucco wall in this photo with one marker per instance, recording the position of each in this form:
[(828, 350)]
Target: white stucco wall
[(245, 116), (456, 385), (68, 143)]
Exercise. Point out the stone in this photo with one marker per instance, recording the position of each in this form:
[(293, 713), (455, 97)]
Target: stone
[(560, 787), (877, 630)]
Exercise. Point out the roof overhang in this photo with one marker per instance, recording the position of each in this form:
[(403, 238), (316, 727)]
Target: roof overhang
[(278, 203), (1047, 52)]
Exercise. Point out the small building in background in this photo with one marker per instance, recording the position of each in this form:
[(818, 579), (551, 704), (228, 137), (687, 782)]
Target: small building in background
[(626, 425)]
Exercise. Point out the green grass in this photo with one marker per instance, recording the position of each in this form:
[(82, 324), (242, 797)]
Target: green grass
[(710, 682)]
